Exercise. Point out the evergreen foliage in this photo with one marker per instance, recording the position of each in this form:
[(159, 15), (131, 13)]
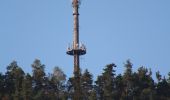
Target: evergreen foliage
[(15, 84)]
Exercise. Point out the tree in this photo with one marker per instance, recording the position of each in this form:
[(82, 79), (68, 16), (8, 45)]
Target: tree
[(38, 79), (168, 80), (163, 90), (2, 84), (57, 84), (73, 86), (14, 77), (16, 85), (146, 84), (106, 83), (119, 87), (128, 84), (70, 87), (99, 87), (27, 87), (93, 95), (86, 84), (158, 76)]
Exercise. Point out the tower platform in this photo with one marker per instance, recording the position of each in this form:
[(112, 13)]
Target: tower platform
[(78, 51)]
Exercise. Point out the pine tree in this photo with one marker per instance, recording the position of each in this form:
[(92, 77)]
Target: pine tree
[(57, 85), (146, 84), (14, 79), (15, 85), (99, 87), (38, 79), (106, 83), (70, 88), (86, 84), (128, 84), (163, 90), (168, 80), (93, 95), (71, 85), (118, 87), (158, 76), (1, 85), (27, 87)]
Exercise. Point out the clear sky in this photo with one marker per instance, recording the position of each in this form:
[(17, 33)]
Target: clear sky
[(113, 31)]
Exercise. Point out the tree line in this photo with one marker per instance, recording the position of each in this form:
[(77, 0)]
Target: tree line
[(15, 84)]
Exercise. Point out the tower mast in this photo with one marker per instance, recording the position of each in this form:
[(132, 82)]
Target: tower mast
[(76, 50)]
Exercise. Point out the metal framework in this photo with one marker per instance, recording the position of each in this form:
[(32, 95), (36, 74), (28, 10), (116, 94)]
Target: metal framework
[(76, 50)]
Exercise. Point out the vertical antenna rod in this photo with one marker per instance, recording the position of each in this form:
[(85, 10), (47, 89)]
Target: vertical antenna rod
[(76, 50)]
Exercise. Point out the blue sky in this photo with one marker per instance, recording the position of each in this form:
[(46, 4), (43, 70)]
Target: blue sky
[(113, 31)]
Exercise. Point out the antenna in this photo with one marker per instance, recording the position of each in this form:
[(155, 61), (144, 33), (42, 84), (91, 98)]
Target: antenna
[(76, 2), (76, 50)]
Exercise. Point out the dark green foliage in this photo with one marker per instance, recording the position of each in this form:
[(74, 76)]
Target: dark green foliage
[(128, 82), (106, 83), (56, 84), (14, 78), (71, 86), (2, 84), (139, 85), (86, 85), (93, 95), (163, 90), (146, 84), (27, 87), (38, 81)]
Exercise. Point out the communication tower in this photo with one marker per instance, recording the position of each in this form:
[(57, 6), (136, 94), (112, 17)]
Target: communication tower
[(76, 50)]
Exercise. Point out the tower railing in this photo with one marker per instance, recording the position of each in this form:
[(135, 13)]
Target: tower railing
[(79, 50)]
